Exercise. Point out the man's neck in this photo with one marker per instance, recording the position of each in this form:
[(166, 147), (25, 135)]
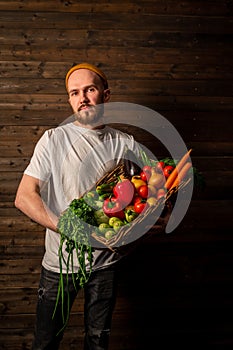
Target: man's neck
[(89, 126)]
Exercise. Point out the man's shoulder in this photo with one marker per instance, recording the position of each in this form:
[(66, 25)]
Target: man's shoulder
[(115, 131), (58, 130)]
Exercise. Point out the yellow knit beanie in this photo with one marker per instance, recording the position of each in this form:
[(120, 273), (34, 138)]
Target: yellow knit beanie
[(89, 66)]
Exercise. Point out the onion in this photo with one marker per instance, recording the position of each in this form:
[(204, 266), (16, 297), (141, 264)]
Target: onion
[(157, 179)]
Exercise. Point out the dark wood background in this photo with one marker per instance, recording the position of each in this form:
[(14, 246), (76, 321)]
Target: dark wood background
[(174, 57)]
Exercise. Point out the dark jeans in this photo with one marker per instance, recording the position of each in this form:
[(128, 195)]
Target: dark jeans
[(100, 297)]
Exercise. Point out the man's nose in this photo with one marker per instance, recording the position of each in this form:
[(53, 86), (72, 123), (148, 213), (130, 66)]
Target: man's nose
[(83, 97)]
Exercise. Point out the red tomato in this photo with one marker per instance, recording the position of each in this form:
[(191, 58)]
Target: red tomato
[(140, 205), (145, 173), (146, 168), (143, 191), (167, 170), (136, 199), (159, 166), (144, 176)]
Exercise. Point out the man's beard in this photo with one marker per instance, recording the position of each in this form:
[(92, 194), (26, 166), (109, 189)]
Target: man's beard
[(90, 116)]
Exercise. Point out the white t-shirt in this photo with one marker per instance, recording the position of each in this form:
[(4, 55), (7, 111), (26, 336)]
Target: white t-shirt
[(70, 160)]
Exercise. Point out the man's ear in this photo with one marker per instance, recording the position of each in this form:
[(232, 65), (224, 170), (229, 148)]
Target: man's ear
[(107, 94)]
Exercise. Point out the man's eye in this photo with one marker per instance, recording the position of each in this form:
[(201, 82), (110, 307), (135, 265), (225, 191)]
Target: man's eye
[(74, 93), (91, 89)]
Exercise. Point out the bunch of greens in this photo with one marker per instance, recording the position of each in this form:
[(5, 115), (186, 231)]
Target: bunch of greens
[(75, 227)]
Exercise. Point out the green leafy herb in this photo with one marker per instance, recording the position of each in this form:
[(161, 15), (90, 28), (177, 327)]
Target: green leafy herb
[(169, 161), (75, 227)]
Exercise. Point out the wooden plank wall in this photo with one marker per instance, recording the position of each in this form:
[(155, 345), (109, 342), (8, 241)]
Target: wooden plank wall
[(174, 57)]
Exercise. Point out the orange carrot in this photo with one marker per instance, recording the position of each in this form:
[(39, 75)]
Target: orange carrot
[(171, 178), (181, 175)]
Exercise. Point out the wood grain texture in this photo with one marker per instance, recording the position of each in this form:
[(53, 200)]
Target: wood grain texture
[(174, 58)]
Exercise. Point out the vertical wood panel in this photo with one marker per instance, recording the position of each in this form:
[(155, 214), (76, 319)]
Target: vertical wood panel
[(174, 57)]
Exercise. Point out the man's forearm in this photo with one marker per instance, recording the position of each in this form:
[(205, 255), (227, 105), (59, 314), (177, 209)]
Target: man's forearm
[(33, 206)]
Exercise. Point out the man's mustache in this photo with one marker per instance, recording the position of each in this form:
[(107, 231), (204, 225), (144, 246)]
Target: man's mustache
[(83, 106)]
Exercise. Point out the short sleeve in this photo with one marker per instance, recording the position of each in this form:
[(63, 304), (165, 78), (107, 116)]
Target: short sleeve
[(40, 163)]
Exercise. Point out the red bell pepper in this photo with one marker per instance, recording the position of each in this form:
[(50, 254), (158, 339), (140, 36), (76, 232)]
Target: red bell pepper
[(113, 207), (124, 191)]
